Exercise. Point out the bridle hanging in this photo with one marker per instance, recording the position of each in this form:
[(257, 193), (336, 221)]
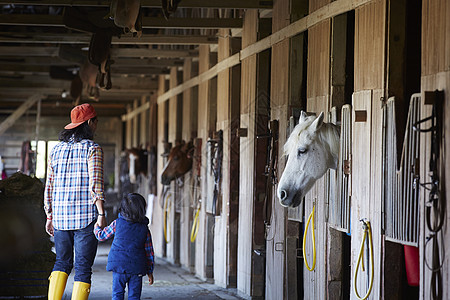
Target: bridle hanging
[(435, 205), (271, 169)]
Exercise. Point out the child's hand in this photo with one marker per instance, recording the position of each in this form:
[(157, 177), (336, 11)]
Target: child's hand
[(150, 279)]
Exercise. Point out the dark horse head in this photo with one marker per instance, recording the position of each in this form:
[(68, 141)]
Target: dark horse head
[(179, 162)]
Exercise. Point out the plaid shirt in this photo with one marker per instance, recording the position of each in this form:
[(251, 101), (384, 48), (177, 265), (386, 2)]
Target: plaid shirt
[(109, 231), (74, 183)]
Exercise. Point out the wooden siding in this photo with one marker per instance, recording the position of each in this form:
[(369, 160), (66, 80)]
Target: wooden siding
[(157, 223), (316, 4), (189, 130), (319, 60), (370, 23), (369, 45), (247, 162), (435, 36), (221, 249), (366, 184), (279, 98)]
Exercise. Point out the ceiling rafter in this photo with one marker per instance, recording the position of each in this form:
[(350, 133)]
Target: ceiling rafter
[(115, 52), (148, 39), (147, 22), (231, 4)]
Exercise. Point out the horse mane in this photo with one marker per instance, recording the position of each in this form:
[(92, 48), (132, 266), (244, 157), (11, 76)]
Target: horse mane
[(328, 135)]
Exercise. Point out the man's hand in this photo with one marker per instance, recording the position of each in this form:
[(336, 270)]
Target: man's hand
[(101, 221), (150, 279), (49, 227)]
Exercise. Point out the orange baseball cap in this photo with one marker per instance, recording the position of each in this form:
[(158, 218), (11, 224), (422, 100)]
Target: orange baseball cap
[(80, 114)]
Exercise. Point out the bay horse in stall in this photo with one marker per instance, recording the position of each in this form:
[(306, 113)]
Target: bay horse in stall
[(313, 148), (179, 162)]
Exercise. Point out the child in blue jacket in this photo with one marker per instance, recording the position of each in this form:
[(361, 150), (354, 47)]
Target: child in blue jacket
[(131, 256)]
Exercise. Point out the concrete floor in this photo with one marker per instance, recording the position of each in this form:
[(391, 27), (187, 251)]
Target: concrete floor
[(171, 282)]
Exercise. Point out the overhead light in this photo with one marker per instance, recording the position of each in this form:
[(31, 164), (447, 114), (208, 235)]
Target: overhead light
[(64, 94)]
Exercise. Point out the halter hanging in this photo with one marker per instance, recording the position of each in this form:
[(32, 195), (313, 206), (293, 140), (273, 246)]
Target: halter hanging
[(435, 205)]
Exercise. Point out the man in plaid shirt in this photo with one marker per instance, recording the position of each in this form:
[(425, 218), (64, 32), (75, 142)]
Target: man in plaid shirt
[(73, 202)]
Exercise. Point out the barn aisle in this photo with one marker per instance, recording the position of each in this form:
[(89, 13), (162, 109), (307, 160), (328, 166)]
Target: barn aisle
[(171, 282)]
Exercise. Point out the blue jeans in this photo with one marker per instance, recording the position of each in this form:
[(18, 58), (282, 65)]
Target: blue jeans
[(134, 286), (84, 242)]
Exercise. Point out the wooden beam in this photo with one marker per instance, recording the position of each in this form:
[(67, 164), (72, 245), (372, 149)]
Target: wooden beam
[(9, 121), (19, 69), (328, 11), (115, 52), (21, 94), (223, 65), (147, 22), (120, 62), (153, 3), (146, 39), (130, 115), (142, 84)]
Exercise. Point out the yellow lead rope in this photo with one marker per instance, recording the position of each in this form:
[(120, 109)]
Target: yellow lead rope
[(367, 233), (195, 226), (313, 238), (166, 213)]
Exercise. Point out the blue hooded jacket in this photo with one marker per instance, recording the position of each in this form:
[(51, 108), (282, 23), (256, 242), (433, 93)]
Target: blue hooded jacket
[(127, 254)]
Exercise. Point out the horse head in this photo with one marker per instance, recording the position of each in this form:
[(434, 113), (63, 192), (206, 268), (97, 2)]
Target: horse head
[(179, 162), (313, 148), (137, 159)]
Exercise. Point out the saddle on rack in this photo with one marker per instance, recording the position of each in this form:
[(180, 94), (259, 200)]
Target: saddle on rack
[(127, 15)]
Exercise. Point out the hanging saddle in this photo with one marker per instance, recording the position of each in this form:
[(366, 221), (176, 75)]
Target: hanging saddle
[(127, 15)]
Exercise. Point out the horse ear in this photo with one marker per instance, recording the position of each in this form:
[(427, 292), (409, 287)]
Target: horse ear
[(317, 122), (302, 116)]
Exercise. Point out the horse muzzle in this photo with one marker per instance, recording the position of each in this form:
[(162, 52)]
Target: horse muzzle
[(289, 198), (165, 180)]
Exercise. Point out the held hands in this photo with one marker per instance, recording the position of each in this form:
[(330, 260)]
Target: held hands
[(150, 279), (49, 227), (101, 222)]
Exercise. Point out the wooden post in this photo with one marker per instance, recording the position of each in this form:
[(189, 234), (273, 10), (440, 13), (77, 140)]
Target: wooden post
[(370, 49), (225, 235), (128, 130), (279, 96), (255, 80), (207, 97), (188, 133), (157, 224)]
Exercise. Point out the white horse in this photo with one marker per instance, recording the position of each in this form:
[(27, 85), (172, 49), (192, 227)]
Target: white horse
[(313, 148)]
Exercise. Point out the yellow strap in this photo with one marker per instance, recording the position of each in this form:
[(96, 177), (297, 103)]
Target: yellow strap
[(313, 238), (166, 213), (367, 233), (195, 226)]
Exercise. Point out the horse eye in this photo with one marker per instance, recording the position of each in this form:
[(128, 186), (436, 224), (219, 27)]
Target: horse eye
[(301, 151), (176, 157)]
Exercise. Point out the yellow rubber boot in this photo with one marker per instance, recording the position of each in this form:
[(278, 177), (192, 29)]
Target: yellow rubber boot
[(81, 290), (57, 285)]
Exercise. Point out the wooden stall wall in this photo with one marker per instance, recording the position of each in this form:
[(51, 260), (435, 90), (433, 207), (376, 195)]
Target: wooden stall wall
[(221, 249), (435, 76), (206, 123), (174, 137), (189, 132), (370, 24), (156, 226), (247, 158), (318, 89), (279, 96)]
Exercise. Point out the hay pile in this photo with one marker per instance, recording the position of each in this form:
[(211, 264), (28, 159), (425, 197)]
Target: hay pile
[(26, 259)]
